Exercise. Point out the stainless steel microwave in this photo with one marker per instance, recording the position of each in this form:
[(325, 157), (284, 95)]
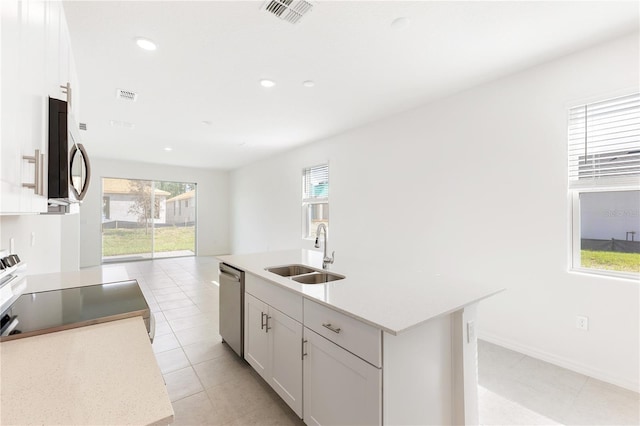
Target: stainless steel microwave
[(69, 168)]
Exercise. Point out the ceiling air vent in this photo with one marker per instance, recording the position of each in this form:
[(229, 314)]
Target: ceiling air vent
[(126, 95), (82, 126), (122, 124), (288, 10)]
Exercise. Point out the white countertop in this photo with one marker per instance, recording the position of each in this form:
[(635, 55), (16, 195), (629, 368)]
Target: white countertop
[(393, 298), (102, 374)]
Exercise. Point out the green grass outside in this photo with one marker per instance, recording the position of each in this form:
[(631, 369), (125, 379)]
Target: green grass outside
[(119, 242), (611, 260)]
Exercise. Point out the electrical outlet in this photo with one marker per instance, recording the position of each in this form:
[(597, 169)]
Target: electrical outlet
[(582, 323)]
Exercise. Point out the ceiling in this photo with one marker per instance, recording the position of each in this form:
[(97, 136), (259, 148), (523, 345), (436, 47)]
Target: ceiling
[(199, 92)]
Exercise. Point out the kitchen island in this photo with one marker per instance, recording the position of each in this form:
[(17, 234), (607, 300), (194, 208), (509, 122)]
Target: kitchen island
[(382, 346), (98, 374)]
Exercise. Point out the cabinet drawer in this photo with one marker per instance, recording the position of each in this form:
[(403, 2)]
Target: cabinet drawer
[(285, 301), (357, 337)]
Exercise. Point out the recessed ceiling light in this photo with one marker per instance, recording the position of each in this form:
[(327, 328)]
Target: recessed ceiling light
[(400, 23), (308, 83), (168, 148), (146, 44), (267, 83)]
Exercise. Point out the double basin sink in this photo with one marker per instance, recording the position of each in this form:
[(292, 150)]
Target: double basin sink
[(305, 274)]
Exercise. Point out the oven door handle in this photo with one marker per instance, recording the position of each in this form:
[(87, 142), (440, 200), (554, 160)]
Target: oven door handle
[(9, 328)]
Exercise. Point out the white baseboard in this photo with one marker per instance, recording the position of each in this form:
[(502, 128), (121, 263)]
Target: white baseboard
[(624, 382)]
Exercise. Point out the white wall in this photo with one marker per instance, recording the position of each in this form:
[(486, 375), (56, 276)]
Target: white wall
[(212, 236), (54, 246), (473, 186)]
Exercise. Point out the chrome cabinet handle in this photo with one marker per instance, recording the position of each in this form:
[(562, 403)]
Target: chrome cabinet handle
[(267, 328), (262, 320), (34, 159), (302, 349), (330, 327), (36, 179), (41, 173), (66, 89)]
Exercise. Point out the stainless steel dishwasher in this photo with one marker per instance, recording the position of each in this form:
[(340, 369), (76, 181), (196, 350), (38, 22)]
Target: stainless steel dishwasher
[(232, 307)]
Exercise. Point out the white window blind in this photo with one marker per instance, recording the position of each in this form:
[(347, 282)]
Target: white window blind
[(315, 183), (604, 143)]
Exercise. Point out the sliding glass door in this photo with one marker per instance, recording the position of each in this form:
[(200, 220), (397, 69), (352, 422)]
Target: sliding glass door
[(177, 237), (143, 219)]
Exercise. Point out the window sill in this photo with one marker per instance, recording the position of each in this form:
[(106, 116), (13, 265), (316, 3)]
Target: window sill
[(626, 276)]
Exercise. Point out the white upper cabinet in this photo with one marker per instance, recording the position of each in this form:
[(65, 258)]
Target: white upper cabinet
[(10, 164), (67, 74), (56, 55), (36, 60)]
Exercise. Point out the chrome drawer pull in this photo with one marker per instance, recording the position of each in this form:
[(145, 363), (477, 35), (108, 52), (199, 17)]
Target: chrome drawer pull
[(330, 327), (34, 159)]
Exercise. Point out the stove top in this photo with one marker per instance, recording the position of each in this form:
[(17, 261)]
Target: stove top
[(56, 310)]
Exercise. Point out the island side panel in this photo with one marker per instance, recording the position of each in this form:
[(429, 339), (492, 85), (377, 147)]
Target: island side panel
[(418, 374), (465, 362)]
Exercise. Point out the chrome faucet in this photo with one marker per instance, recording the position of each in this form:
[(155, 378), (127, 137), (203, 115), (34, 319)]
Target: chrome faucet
[(326, 260)]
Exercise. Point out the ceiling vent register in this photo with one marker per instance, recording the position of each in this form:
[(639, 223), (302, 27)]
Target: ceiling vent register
[(122, 124), (288, 10), (126, 95)]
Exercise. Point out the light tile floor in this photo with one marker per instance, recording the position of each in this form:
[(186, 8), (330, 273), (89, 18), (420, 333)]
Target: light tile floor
[(209, 385), (519, 390)]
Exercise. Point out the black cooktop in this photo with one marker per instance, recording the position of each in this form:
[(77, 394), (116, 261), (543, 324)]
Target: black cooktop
[(49, 311)]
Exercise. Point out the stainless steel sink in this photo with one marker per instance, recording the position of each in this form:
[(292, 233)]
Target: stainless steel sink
[(317, 278), (304, 274), (290, 270)]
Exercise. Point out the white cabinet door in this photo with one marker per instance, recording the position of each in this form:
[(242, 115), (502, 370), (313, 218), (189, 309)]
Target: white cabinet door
[(273, 347), (339, 387), (285, 338), (10, 165), (24, 107), (55, 18), (33, 117), (256, 340)]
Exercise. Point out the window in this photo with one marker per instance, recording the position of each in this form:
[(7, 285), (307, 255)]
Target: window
[(604, 181), (315, 199)]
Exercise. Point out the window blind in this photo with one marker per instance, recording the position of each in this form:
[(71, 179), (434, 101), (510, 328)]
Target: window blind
[(604, 143), (315, 183)]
